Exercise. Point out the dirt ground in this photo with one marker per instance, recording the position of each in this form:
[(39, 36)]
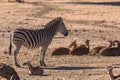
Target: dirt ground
[(96, 20)]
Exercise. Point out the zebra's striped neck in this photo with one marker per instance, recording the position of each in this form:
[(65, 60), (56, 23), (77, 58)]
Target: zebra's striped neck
[(53, 26), (52, 31)]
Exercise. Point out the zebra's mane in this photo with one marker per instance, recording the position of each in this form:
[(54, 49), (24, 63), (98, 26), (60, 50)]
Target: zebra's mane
[(53, 22)]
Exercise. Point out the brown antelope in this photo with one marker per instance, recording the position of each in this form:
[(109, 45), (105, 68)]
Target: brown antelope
[(73, 45), (33, 70), (96, 50), (63, 50), (111, 51), (82, 49), (7, 72)]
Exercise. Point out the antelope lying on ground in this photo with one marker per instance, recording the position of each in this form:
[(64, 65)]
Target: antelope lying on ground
[(8, 72), (33, 70), (110, 73), (96, 50), (63, 50), (82, 49), (111, 51)]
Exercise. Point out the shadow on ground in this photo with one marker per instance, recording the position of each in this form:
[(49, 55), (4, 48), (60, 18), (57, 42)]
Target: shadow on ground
[(117, 3), (95, 3), (72, 68)]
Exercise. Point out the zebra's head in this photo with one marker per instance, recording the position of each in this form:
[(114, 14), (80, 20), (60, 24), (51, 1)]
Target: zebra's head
[(62, 29), (57, 25)]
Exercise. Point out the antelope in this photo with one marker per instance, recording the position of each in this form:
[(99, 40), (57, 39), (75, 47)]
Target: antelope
[(96, 50), (33, 70), (7, 72), (63, 50), (73, 45), (82, 49), (14, 77), (111, 51), (110, 73)]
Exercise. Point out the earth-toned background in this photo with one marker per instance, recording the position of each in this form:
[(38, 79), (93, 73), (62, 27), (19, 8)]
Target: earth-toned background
[(96, 20)]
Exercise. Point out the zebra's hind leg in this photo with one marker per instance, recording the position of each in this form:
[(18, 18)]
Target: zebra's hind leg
[(43, 51), (15, 57)]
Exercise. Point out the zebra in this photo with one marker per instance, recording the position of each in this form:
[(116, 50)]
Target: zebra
[(36, 38)]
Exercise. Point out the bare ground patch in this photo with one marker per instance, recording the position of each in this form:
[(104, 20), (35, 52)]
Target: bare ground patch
[(95, 20)]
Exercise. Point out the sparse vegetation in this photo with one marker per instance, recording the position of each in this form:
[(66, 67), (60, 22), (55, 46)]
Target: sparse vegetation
[(96, 20)]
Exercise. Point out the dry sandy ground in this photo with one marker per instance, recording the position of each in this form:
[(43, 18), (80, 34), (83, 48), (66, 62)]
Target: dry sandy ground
[(96, 20)]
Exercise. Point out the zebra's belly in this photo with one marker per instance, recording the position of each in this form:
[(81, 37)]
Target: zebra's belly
[(32, 47), (36, 46)]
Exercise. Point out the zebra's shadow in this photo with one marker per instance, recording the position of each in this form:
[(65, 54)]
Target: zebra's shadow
[(72, 68), (116, 3)]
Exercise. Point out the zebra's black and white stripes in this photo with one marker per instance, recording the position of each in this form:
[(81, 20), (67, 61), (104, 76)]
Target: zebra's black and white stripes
[(36, 38)]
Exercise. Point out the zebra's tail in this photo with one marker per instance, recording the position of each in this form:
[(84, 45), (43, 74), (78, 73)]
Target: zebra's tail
[(10, 46)]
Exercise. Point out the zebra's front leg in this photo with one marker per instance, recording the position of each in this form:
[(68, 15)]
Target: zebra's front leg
[(43, 51), (15, 57)]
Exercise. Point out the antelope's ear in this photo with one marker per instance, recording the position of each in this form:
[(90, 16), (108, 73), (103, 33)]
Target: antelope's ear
[(60, 19)]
